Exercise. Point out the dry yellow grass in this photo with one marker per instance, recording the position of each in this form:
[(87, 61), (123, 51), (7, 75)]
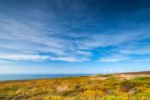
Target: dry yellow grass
[(98, 87)]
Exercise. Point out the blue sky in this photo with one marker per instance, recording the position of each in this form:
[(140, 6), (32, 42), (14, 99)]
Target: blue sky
[(74, 36)]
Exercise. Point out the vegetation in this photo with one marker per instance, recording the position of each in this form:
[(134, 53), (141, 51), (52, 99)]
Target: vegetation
[(99, 87)]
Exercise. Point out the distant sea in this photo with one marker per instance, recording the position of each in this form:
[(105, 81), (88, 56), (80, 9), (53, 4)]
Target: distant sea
[(8, 77)]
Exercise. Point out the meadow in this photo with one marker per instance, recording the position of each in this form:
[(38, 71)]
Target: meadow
[(96, 87)]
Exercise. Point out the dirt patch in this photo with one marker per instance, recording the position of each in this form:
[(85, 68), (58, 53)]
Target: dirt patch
[(61, 88)]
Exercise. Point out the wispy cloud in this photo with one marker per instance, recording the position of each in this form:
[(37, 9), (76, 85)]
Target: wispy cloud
[(45, 36), (139, 48), (22, 57), (114, 58), (31, 41)]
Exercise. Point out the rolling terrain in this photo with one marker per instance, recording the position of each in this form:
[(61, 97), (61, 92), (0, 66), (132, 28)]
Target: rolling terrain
[(119, 86)]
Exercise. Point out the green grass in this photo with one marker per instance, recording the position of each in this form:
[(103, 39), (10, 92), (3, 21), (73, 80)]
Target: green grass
[(100, 87)]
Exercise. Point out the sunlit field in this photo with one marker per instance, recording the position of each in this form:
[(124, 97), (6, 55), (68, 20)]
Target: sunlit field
[(96, 87)]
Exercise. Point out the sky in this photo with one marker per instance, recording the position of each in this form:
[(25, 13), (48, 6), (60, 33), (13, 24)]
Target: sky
[(74, 36)]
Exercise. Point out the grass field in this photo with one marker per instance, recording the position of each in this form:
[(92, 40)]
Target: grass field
[(130, 86)]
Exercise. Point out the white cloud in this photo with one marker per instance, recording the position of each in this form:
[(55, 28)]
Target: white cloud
[(22, 57), (30, 57), (137, 49), (70, 59), (112, 38), (114, 58)]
